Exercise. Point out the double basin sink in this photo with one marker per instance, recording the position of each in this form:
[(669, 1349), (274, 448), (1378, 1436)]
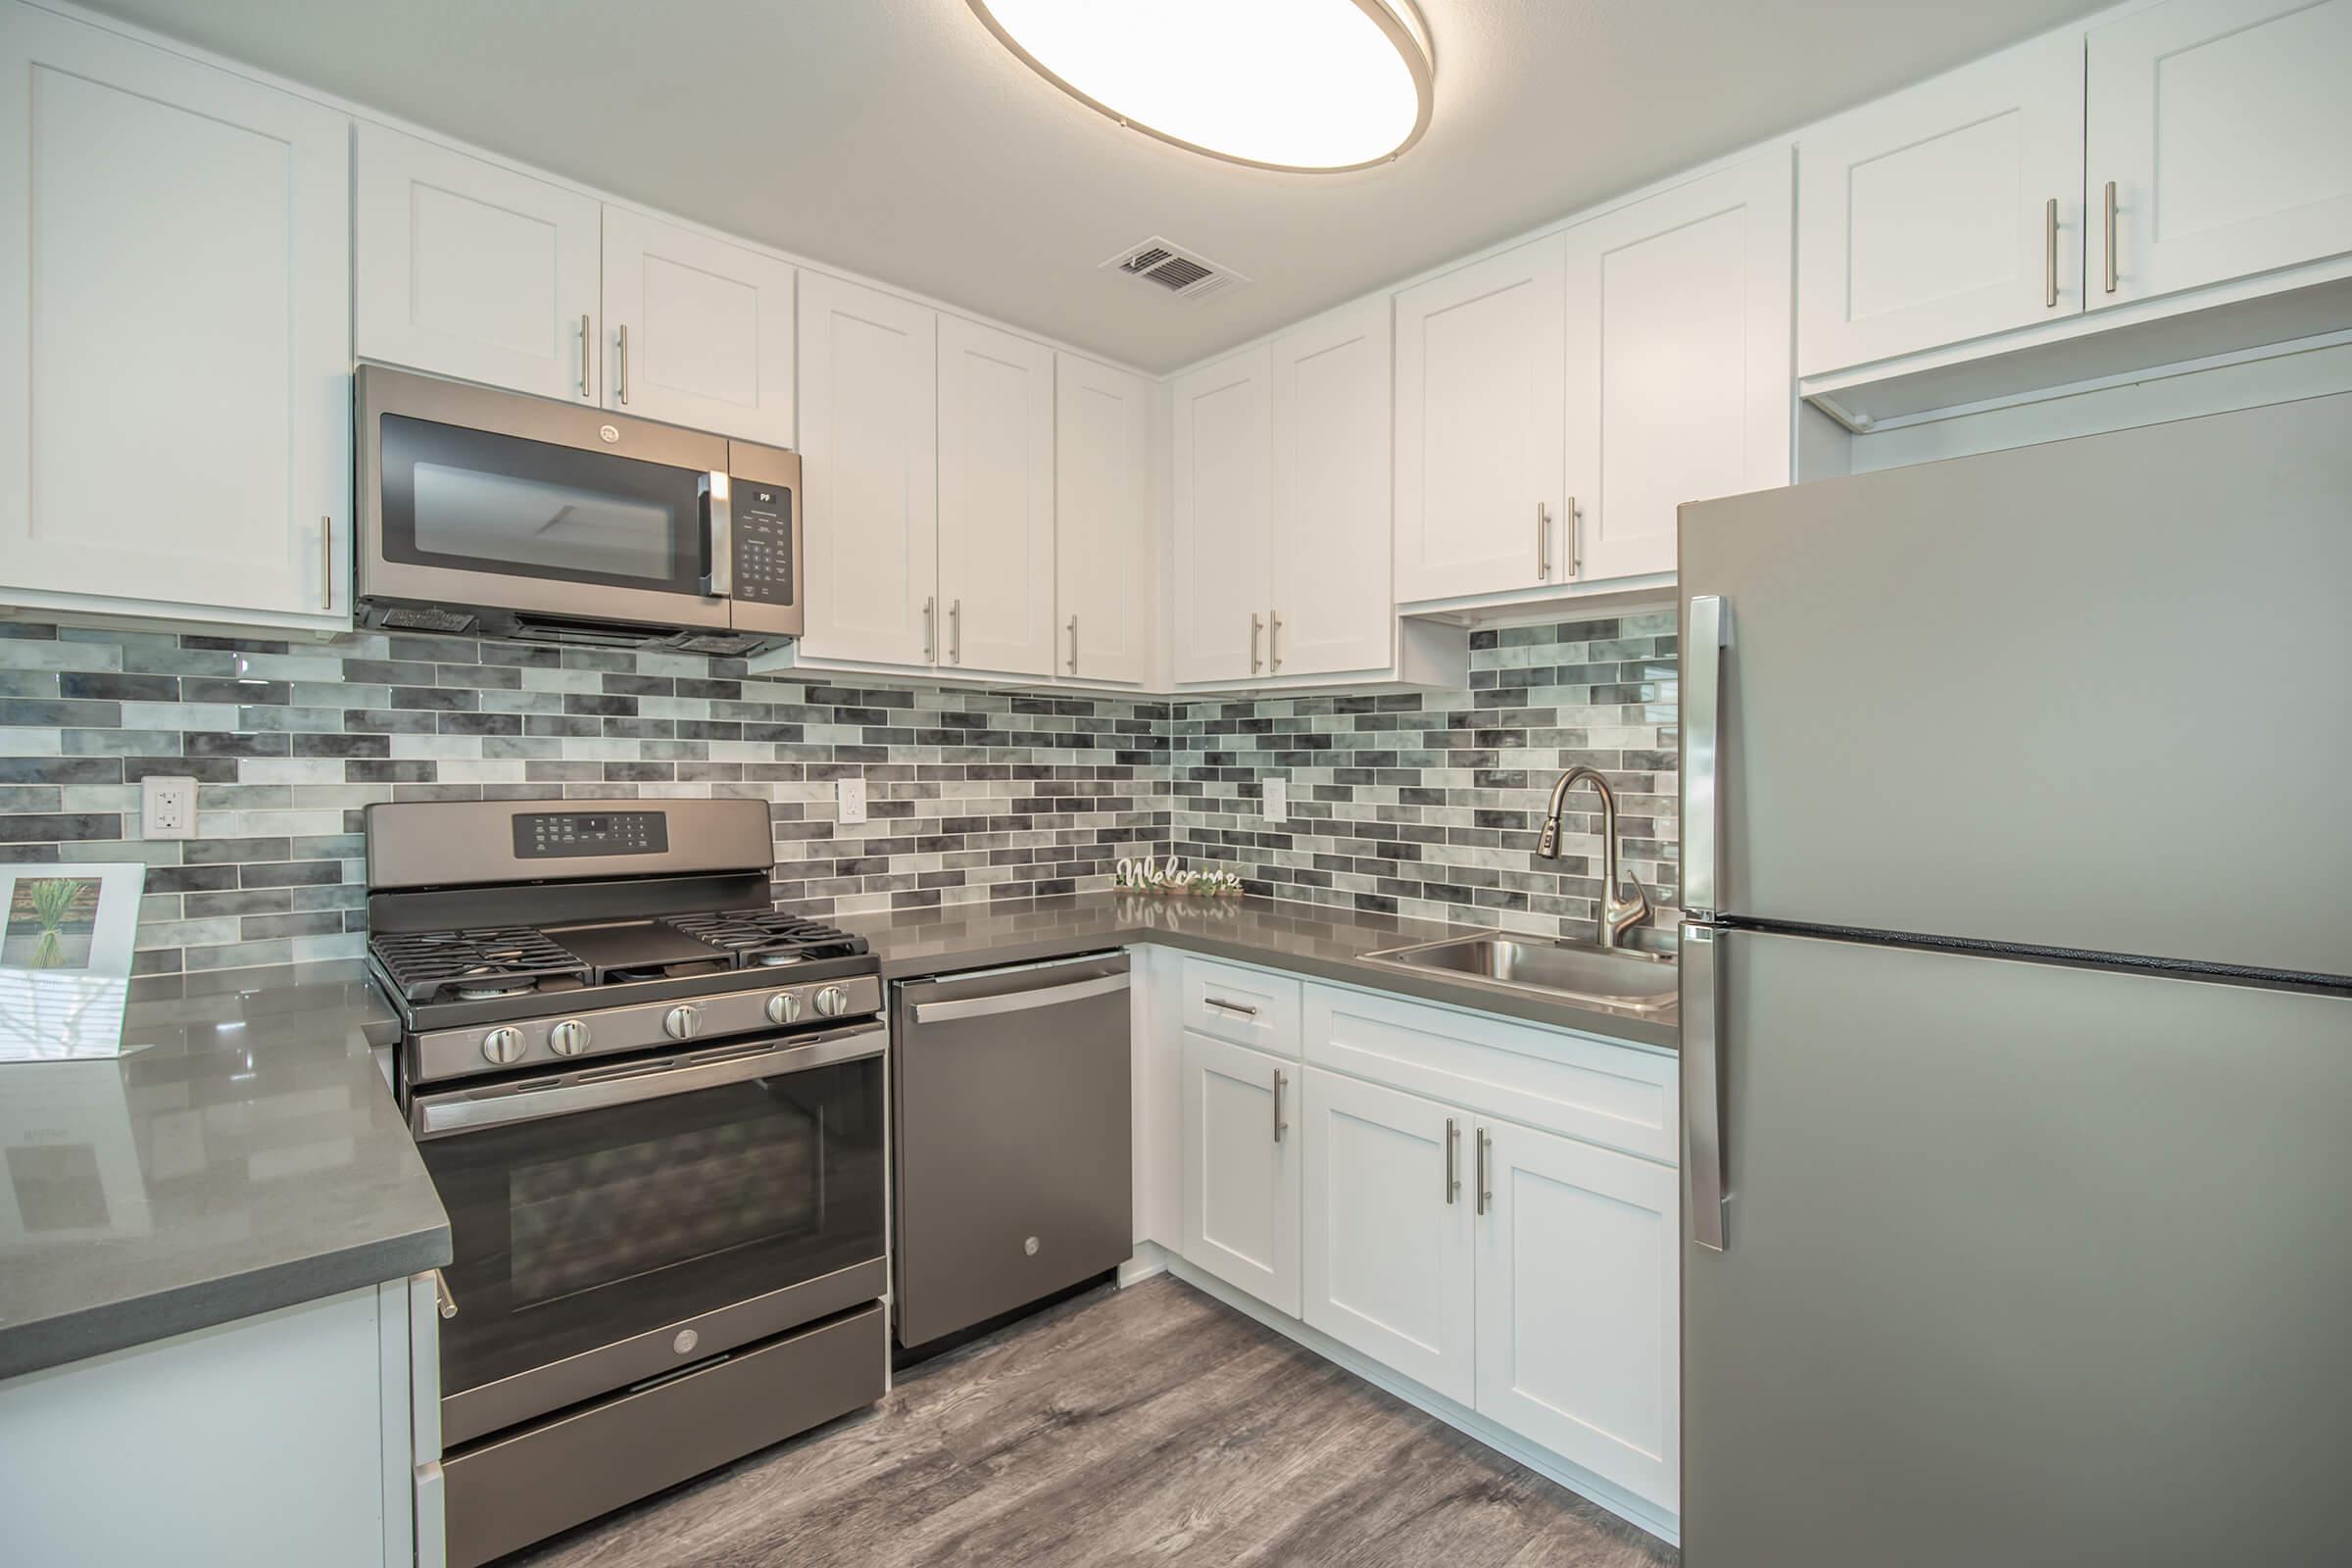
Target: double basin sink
[(1630, 982)]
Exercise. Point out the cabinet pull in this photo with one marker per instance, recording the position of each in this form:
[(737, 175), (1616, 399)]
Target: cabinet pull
[(2049, 253), (1274, 643), (956, 631), (1453, 1146), (1568, 531), (1242, 1007), (327, 560), (1479, 1175), (444, 1302), (1542, 542), (1073, 645), (1257, 626), (2110, 231), (1280, 1126), (930, 642), (624, 363)]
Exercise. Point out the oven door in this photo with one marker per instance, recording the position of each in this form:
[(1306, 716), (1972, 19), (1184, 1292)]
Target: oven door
[(479, 498), (619, 1222)]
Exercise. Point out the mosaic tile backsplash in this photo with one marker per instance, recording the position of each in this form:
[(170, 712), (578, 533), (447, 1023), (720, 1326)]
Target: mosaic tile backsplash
[(1420, 803)]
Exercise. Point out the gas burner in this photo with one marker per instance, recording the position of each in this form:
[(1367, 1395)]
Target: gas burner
[(768, 938), (778, 957), (473, 966)]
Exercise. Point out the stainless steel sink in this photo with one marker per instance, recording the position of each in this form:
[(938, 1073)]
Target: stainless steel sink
[(1634, 982)]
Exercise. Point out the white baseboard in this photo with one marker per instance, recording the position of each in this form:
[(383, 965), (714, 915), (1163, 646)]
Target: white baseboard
[(1616, 1500), (1149, 1259)]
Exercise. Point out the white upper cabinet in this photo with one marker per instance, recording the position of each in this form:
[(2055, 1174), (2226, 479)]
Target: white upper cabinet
[(1479, 430), (2225, 127), (697, 331), (1103, 520), (469, 269), (1949, 211), (1224, 500), (175, 314), (995, 500), (1678, 366), (869, 377), (1331, 607)]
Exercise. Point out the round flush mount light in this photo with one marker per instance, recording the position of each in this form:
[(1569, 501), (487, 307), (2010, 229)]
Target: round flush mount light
[(1313, 86)]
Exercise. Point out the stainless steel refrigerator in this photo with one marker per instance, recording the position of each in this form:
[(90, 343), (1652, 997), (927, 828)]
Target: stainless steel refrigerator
[(2017, 1007)]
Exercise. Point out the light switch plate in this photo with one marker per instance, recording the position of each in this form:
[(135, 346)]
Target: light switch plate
[(850, 793), (1278, 800), (166, 807)]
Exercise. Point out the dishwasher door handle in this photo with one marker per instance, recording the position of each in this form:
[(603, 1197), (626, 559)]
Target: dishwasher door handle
[(1017, 1001)]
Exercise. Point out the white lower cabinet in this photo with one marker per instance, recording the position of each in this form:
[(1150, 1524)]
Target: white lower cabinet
[(1388, 1229), (1241, 1168)]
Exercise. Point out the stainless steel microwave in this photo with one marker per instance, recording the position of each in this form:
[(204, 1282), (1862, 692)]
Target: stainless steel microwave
[(499, 514)]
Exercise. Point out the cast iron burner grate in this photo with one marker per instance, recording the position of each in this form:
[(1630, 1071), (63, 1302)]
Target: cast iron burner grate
[(768, 938), (473, 966)]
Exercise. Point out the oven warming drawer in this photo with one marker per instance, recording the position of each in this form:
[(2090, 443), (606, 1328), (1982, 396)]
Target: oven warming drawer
[(519, 1490)]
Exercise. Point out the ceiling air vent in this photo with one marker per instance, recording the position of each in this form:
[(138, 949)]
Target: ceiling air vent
[(1187, 274)]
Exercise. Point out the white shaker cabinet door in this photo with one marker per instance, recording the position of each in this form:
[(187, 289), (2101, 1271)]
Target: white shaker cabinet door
[(468, 270), (1678, 363), (995, 500), (1478, 437), (1240, 1167), (1331, 607), (174, 334), (1949, 211), (870, 455), (1222, 452), (697, 331), (2225, 129), (1579, 1301), (1389, 1206), (1103, 520)]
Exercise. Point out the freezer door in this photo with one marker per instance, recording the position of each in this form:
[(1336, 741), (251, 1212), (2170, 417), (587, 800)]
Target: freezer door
[(2025, 1264), (2092, 694)]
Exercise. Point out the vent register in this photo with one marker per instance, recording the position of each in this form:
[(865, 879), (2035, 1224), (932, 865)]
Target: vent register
[(1186, 274)]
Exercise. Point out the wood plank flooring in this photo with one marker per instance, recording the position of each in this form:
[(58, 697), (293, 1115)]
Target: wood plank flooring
[(1147, 1426)]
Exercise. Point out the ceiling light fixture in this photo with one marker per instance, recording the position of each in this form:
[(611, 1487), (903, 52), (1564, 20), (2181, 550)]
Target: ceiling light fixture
[(1315, 86)]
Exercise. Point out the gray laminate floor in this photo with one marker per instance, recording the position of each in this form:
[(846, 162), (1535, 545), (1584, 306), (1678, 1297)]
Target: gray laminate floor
[(1151, 1425)]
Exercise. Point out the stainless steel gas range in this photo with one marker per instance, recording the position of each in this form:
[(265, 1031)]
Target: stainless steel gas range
[(654, 1107)]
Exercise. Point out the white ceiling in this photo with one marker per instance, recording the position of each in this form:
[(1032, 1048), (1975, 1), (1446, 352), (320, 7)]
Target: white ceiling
[(898, 138)]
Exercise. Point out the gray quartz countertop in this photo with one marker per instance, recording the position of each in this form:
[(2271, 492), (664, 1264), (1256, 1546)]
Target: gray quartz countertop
[(1308, 939), (247, 1155)]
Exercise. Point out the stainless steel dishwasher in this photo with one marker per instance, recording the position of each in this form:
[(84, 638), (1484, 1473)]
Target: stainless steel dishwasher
[(1013, 1138)]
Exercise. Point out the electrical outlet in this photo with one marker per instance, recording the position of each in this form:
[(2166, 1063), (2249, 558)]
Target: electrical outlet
[(1278, 800), (850, 795), (166, 807)]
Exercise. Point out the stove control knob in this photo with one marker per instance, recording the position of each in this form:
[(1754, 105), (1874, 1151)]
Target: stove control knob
[(683, 1023), (783, 1007), (568, 1038), (832, 1001), (503, 1046)]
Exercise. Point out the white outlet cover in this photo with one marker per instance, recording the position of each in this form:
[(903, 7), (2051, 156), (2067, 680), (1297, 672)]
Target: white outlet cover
[(166, 807), (850, 794), (1278, 800)]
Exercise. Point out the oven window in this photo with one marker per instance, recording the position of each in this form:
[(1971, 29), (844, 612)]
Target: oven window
[(481, 502), (575, 1231)]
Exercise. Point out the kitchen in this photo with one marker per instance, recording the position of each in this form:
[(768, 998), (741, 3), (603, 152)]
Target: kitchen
[(629, 801)]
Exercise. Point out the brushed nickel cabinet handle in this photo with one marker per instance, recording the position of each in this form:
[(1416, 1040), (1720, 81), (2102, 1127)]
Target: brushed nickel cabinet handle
[(1479, 1174), (930, 640), (956, 631), (587, 354), (327, 560), (443, 1302), (2110, 229), (1257, 626), (1453, 1147), (1568, 531), (1274, 643), (624, 363), (1542, 542), (2049, 253), (1073, 645), (1242, 1007), (1280, 1126)]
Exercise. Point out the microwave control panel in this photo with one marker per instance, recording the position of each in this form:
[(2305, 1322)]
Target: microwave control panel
[(551, 835), (762, 522)]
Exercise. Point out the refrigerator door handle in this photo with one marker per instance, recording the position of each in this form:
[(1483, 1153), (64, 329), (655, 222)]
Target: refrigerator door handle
[(1702, 1081), (1708, 635)]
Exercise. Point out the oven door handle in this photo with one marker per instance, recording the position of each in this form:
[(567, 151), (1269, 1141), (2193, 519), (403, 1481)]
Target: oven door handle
[(472, 1110)]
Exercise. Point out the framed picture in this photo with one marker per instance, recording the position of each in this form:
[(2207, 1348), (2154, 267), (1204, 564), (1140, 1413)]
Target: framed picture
[(66, 939)]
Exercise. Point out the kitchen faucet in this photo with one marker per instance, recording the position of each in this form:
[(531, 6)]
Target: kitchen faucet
[(1618, 914)]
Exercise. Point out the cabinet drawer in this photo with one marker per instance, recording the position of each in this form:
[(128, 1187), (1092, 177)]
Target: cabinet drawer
[(1248, 1006), (1616, 1095)]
